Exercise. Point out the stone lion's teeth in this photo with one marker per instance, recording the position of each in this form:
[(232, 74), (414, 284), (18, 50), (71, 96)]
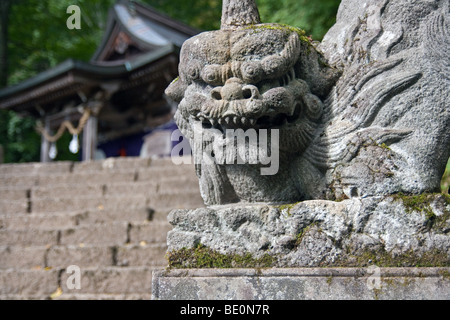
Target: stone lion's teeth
[(252, 121), (236, 120), (220, 121), (213, 121), (244, 120), (228, 120)]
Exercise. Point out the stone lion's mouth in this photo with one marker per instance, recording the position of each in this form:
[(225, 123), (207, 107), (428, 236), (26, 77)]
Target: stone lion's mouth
[(239, 122)]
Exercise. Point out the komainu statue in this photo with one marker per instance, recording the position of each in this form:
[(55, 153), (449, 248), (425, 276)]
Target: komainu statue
[(364, 113)]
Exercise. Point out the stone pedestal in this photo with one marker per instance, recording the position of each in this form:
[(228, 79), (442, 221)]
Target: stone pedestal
[(395, 247), (302, 283), (396, 231)]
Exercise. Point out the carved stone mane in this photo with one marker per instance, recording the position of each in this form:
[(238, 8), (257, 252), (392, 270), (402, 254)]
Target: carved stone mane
[(363, 113)]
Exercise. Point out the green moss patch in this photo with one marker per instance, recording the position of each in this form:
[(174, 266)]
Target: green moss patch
[(382, 258), (204, 257), (422, 203), (279, 26)]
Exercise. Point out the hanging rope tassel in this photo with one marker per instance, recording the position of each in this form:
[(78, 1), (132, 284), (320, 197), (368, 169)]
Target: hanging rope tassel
[(65, 125)]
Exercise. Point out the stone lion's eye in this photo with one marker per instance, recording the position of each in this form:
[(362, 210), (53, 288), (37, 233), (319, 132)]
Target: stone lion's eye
[(193, 71), (211, 74), (272, 65), (252, 71)]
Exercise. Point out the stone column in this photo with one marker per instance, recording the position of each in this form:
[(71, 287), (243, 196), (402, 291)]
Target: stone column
[(45, 145), (90, 139)]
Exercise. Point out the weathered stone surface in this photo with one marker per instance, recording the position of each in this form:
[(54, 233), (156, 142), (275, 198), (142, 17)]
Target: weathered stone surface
[(302, 284), (364, 113), (391, 231)]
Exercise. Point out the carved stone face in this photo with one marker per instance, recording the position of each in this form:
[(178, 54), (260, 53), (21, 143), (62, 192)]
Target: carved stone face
[(247, 78), (263, 76)]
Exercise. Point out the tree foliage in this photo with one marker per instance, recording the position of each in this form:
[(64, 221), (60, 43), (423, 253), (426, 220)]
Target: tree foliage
[(19, 138)]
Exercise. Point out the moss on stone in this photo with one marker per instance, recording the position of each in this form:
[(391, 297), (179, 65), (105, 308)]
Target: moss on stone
[(286, 207), (304, 231), (383, 258), (204, 257), (422, 203), (279, 26)]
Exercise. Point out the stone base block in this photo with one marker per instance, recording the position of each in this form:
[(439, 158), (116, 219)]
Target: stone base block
[(302, 284)]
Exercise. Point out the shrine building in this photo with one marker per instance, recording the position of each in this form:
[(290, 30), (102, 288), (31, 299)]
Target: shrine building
[(113, 105)]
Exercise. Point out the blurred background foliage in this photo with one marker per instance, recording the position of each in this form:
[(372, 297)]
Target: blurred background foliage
[(34, 38)]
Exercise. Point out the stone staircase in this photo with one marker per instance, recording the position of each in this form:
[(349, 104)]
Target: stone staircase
[(106, 217)]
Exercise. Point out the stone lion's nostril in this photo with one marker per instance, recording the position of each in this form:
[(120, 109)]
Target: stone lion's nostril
[(250, 92), (247, 93), (216, 95)]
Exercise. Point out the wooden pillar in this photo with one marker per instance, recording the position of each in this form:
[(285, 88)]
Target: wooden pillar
[(45, 145), (90, 139)]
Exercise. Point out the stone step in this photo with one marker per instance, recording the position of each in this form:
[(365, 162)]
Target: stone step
[(11, 193), (86, 178), (178, 185), (112, 164), (115, 233), (143, 254), (107, 234), (14, 206), (18, 181), (66, 220), (101, 216), (37, 283), (87, 203), (181, 200), (169, 185), (111, 280), (155, 201), (100, 256), (35, 168), (84, 256), (80, 255), (32, 237), (22, 257), (165, 173), (32, 221), (167, 161), (87, 296), (149, 232), (54, 283), (79, 190), (77, 296)]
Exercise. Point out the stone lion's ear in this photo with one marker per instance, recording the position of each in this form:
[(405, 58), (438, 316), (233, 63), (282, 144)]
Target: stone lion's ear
[(315, 70), (175, 90)]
